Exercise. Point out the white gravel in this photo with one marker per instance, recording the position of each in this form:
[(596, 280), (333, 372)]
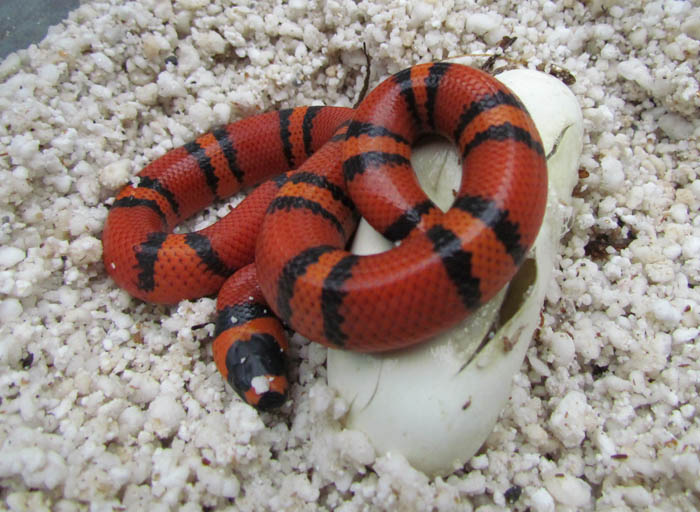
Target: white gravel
[(111, 404)]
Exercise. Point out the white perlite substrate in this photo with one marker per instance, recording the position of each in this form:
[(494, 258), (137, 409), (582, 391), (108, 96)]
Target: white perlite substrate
[(109, 403)]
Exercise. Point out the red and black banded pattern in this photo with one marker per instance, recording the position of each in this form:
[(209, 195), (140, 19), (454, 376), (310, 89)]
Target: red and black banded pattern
[(249, 342), (296, 226), (142, 255), (447, 263)]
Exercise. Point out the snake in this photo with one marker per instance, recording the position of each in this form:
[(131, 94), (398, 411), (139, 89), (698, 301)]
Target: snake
[(279, 261)]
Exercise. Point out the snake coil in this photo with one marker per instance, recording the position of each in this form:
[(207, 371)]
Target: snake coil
[(280, 255)]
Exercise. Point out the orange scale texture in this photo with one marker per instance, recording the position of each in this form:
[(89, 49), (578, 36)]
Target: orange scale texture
[(295, 228)]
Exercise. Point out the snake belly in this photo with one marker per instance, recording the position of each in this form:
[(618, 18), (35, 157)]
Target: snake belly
[(281, 254)]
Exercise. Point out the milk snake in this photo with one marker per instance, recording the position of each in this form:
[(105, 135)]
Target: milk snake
[(281, 254)]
